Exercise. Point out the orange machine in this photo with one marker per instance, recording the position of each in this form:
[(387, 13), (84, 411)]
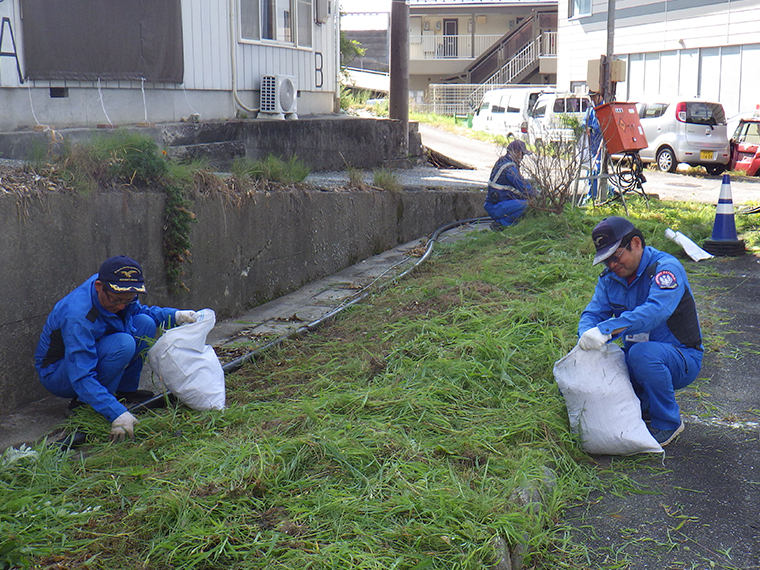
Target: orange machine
[(621, 128)]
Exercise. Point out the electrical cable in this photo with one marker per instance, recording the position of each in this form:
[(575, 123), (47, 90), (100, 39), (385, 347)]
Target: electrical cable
[(631, 178), (103, 104), (366, 292), (145, 104), (31, 104), (233, 61)]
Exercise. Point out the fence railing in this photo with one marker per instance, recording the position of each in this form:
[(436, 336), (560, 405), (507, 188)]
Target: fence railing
[(543, 46), (450, 47)]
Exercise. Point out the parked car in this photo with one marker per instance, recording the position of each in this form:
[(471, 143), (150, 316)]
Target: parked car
[(503, 111), (733, 121), (745, 146), (554, 116), (693, 131)]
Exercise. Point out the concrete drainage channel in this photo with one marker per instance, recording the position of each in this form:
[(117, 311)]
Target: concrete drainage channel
[(387, 266)]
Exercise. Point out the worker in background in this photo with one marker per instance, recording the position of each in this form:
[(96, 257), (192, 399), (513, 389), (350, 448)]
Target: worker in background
[(508, 191), (92, 345), (644, 298), (592, 152)]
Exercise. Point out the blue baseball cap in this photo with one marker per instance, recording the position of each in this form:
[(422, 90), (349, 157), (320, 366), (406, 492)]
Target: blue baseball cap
[(608, 234), (122, 274)]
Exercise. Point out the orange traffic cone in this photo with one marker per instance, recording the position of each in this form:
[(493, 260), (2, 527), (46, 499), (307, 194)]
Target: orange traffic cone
[(724, 240)]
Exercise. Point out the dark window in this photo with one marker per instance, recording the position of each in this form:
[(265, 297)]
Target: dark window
[(700, 113), (654, 110)]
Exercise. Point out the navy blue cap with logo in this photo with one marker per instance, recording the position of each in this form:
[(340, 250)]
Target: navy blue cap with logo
[(607, 236), (122, 274)]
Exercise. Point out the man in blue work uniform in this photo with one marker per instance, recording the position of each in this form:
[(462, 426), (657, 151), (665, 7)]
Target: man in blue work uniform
[(92, 344), (508, 191), (644, 297)]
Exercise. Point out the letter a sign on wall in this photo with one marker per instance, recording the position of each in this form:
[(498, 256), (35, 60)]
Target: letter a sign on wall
[(6, 25)]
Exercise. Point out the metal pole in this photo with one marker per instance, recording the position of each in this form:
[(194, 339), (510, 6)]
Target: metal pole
[(398, 103), (607, 63)]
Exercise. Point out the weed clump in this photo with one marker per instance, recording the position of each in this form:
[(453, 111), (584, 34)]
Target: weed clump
[(386, 179), (271, 169)]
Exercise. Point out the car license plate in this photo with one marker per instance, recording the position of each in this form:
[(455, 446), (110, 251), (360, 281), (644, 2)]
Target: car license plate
[(706, 155)]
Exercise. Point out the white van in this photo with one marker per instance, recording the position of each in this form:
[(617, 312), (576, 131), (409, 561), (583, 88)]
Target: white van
[(503, 111)]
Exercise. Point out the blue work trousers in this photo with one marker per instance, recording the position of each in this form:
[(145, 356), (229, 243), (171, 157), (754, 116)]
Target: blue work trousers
[(657, 370), (119, 361), (506, 212)]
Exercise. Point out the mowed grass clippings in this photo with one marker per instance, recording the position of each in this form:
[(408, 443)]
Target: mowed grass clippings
[(407, 434)]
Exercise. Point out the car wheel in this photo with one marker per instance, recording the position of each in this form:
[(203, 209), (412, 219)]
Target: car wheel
[(715, 169), (666, 160)]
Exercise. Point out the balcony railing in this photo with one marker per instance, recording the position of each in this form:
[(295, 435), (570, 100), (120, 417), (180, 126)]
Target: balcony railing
[(464, 46)]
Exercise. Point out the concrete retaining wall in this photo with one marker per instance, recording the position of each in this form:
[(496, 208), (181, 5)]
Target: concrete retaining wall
[(323, 143), (242, 255)]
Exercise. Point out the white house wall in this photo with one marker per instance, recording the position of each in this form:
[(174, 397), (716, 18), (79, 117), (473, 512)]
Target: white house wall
[(208, 71), (707, 48)]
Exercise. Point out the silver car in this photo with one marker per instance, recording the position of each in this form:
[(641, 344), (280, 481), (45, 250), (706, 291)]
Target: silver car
[(686, 130)]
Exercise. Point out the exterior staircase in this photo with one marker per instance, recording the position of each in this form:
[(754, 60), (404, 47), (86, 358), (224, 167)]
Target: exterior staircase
[(517, 55)]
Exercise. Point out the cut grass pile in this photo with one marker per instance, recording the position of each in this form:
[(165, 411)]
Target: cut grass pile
[(407, 434)]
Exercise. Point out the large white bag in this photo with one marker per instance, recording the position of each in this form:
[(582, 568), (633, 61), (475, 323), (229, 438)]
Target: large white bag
[(601, 404), (188, 367)]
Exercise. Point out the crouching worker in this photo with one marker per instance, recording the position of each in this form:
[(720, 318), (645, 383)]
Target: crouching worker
[(644, 297), (92, 343), (508, 191)]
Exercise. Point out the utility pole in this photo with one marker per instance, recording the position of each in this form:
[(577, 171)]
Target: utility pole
[(608, 94), (398, 103)]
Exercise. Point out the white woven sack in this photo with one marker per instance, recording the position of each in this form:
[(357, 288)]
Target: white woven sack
[(188, 367), (601, 404)]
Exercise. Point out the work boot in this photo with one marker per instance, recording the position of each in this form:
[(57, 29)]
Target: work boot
[(497, 226), (73, 405), (136, 397), (665, 436)]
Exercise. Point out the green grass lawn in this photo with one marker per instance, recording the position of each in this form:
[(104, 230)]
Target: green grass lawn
[(407, 434)]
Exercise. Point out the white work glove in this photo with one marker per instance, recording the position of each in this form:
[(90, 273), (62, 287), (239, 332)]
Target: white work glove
[(183, 317), (123, 427), (593, 339)]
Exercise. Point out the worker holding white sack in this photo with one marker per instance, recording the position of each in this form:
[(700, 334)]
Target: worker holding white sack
[(644, 297), (92, 345)]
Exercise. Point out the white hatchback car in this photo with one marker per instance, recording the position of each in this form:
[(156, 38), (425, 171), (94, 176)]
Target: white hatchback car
[(693, 131)]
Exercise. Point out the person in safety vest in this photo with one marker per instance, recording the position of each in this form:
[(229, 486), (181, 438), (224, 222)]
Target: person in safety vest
[(644, 298), (508, 191), (92, 345)]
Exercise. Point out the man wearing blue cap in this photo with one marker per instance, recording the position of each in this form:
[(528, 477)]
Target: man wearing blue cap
[(644, 298), (508, 191), (92, 343)]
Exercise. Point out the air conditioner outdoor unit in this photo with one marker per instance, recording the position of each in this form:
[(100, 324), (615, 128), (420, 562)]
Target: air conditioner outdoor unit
[(278, 96)]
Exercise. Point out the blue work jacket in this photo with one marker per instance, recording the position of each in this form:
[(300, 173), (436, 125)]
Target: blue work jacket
[(658, 302), (506, 182), (71, 331)]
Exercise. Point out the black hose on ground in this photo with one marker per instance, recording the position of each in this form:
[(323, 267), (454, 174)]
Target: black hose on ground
[(301, 331)]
